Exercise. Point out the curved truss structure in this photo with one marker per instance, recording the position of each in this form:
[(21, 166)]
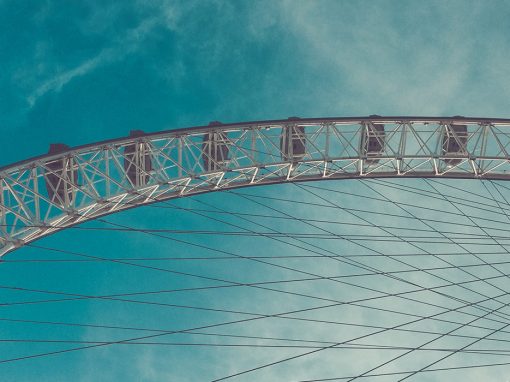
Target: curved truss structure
[(71, 185)]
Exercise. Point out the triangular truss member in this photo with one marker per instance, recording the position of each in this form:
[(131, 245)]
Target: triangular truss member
[(458, 167), (266, 172), (334, 167), (210, 181), (502, 165), (408, 167), (306, 168), (379, 167), (240, 176)]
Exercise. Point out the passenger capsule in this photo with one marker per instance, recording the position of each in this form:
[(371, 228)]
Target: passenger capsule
[(293, 142), (454, 143), (60, 176), (372, 142), (137, 160), (214, 149)]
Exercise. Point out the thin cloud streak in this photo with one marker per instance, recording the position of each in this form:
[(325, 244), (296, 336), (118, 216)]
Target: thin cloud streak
[(131, 43)]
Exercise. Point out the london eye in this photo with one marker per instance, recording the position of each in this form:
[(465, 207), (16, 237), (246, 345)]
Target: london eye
[(396, 268)]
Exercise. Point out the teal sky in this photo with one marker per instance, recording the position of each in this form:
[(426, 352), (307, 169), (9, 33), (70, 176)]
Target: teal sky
[(85, 71), (97, 69)]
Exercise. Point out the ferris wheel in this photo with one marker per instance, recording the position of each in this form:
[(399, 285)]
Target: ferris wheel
[(416, 281)]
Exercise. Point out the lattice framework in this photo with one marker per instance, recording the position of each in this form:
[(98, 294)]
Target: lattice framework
[(106, 177)]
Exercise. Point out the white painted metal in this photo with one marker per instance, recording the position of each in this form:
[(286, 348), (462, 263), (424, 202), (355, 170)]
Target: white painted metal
[(102, 180)]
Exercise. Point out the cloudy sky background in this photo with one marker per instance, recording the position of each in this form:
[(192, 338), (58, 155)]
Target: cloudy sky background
[(96, 70)]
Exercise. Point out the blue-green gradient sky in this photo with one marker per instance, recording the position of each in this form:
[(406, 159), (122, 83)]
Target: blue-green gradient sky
[(82, 71)]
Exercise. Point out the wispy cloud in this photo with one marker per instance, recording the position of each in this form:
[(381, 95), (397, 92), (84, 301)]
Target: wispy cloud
[(131, 42), (61, 79)]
